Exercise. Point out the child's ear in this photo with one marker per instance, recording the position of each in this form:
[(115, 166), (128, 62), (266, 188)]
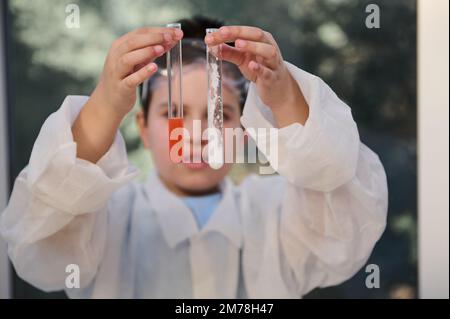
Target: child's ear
[(143, 128)]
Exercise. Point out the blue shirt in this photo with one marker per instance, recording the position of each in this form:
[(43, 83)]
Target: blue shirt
[(202, 207)]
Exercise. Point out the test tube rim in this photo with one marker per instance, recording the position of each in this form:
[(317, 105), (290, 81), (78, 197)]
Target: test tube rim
[(211, 30), (174, 25)]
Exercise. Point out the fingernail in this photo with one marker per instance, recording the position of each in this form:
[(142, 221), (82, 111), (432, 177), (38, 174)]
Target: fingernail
[(167, 37), (159, 49), (179, 33), (208, 39), (224, 31), (151, 67), (241, 43)]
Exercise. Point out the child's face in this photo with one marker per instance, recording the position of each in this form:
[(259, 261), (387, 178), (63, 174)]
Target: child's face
[(186, 179)]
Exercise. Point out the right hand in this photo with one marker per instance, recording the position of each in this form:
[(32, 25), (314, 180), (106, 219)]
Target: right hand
[(128, 64)]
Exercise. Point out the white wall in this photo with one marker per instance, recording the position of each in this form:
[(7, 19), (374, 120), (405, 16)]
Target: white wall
[(5, 281), (433, 148)]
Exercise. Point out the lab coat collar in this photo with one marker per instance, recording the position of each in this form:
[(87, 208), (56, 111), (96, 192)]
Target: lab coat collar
[(173, 213), (226, 219)]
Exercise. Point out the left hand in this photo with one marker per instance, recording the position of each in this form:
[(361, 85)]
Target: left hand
[(259, 58)]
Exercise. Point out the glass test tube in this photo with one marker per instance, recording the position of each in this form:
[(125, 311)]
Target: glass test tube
[(215, 105), (175, 106)]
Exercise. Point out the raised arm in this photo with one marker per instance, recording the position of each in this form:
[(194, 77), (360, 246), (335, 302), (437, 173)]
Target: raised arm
[(57, 213), (330, 205)]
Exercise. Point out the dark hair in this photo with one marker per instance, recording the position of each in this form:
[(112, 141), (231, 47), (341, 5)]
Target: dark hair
[(194, 32)]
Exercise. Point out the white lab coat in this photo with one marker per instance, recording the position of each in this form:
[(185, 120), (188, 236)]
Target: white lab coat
[(313, 225)]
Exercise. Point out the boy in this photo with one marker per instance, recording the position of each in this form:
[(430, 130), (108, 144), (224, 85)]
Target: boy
[(188, 232)]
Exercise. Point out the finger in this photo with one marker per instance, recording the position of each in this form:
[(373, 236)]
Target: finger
[(262, 72), (175, 33), (141, 65), (140, 41), (231, 54), (150, 30), (240, 59), (127, 62), (271, 39), (147, 31), (232, 33), (169, 46), (267, 51), (132, 81)]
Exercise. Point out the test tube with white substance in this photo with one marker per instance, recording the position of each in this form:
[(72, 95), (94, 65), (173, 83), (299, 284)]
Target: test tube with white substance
[(215, 105)]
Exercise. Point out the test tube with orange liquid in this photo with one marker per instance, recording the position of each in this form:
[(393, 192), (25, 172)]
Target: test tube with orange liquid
[(175, 110)]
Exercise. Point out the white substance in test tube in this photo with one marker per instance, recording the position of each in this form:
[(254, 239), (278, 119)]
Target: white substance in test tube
[(215, 109)]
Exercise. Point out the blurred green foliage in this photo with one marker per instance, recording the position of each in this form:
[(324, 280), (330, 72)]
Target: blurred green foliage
[(373, 70)]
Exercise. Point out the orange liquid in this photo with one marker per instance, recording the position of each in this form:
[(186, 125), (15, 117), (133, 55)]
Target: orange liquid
[(175, 123)]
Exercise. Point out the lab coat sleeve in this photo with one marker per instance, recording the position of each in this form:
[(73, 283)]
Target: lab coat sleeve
[(334, 204), (57, 213)]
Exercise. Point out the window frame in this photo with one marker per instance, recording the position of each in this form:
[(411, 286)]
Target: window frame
[(5, 267)]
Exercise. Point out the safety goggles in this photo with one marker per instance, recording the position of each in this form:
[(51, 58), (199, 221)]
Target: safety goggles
[(194, 55)]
